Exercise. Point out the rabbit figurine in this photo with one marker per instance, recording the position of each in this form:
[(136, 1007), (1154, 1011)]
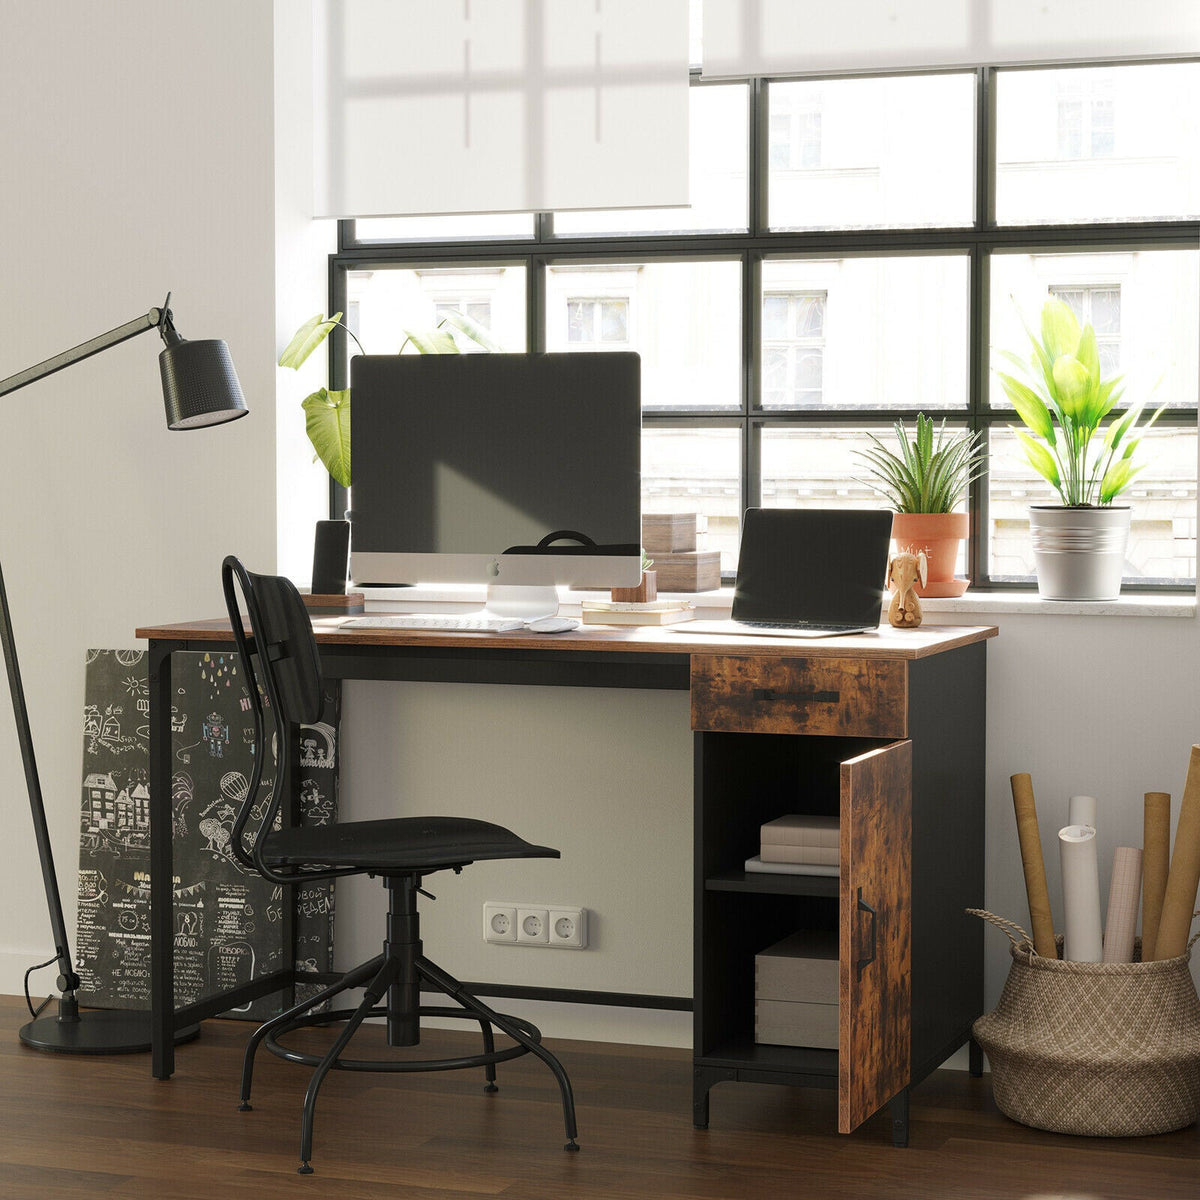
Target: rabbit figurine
[(903, 572)]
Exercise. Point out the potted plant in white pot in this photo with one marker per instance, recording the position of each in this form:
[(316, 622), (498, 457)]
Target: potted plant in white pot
[(924, 482), (1078, 545)]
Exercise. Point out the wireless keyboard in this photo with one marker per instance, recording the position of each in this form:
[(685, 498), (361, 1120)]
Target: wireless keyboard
[(443, 622)]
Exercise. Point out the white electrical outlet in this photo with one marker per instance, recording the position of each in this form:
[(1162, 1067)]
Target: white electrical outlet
[(499, 922), (533, 926), (568, 928), (509, 923)]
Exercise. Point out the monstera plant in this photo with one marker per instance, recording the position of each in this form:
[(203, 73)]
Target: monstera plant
[(327, 413)]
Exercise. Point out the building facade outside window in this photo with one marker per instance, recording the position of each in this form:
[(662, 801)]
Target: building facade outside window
[(851, 259)]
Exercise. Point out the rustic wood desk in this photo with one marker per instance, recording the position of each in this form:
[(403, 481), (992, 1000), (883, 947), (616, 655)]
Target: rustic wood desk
[(885, 729)]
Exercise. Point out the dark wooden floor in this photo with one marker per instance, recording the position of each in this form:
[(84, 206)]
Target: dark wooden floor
[(84, 1129)]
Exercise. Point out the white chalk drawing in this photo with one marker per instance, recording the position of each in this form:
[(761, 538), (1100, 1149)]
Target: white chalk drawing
[(317, 744)]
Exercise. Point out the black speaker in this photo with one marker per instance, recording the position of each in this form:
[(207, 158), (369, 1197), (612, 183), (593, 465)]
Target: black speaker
[(331, 558)]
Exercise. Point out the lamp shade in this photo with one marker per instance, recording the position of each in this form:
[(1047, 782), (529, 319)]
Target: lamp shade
[(200, 385)]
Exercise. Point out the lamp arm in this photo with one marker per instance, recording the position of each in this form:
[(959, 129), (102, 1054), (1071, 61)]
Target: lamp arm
[(151, 320)]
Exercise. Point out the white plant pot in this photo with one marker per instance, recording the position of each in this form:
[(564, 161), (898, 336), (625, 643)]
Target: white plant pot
[(1079, 552)]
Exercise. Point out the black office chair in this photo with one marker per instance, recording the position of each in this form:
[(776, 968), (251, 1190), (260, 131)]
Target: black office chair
[(280, 661)]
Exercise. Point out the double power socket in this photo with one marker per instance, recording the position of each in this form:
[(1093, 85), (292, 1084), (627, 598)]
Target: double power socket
[(557, 925)]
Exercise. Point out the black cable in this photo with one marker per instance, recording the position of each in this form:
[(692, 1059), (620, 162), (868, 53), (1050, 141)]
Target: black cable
[(35, 1013)]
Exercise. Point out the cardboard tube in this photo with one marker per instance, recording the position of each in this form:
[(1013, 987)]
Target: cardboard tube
[(1124, 893), (1156, 862), (1180, 898), (1081, 810), (1035, 867), (1083, 940)]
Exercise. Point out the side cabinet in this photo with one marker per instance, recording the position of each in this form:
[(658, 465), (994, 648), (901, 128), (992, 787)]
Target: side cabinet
[(831, 737)]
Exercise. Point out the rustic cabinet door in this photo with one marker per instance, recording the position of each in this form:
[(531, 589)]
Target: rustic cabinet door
[(875, 1034)]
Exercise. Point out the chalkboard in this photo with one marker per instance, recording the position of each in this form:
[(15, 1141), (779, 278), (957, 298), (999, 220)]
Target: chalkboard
[(228, 919)]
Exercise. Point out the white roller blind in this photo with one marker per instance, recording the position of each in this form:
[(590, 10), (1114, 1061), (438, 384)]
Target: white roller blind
[(781, 37), (457, 106)]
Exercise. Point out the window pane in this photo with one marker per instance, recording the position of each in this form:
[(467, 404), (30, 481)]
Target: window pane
[(1143, 304), (383, 302), (1097, 144), (820, 468), (684, 318), (865, 332), (717, 182), (1162, 535), (444, 229), (696, 470), (863, 153)]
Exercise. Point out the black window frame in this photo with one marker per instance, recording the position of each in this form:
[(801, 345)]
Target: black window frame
[(978, 242)]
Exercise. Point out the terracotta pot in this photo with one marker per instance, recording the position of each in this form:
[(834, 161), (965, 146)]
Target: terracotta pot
[(938, 535)]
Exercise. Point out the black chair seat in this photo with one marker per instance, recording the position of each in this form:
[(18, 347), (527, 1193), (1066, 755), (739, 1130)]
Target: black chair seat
[(398, 844)]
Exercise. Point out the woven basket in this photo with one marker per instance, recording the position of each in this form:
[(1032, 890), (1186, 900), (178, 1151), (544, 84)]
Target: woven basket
[(1102, 1049)]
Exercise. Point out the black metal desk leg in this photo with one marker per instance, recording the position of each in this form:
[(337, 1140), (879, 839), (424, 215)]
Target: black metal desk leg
[(975, 1058), (162, 916), (899, 1113)]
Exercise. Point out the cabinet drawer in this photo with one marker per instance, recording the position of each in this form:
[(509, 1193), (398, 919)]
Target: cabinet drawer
[(851, 697)]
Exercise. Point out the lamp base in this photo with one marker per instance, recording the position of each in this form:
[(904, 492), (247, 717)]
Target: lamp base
[(97, 1031)]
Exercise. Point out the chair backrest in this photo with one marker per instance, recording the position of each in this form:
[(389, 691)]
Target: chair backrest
[(288, 666), (281, 657)]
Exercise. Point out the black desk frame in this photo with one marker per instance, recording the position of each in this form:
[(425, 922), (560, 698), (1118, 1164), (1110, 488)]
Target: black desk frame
[(400, 663)]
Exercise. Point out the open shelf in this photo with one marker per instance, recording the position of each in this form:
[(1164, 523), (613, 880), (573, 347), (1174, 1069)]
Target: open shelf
[(790, 1060), (772, 884)]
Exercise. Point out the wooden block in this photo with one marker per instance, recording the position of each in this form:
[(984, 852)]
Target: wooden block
[(334, 604), (803, 967), (688, 571), (666, 532), (784, 1023)]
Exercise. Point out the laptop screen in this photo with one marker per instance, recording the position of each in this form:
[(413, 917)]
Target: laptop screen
[(822, 566)]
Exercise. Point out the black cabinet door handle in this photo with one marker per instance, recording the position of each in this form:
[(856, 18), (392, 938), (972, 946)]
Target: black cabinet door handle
[(863, 906), (813, 697)]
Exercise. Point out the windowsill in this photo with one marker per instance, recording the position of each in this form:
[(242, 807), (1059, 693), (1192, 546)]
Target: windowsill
[(717, 604)]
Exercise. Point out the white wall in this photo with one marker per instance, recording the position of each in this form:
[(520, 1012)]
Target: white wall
[(138, 158)]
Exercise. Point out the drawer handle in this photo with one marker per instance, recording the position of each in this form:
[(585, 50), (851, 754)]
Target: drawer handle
[(814, 697), (863, 906)]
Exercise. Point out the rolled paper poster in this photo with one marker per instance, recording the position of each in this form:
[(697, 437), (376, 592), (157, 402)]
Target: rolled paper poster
[(1081, 810), (1180, 898), (1034, 865), (1082, 936), (1156, 862), (1124, 895)]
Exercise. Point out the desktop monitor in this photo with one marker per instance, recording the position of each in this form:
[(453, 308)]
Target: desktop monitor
[(497, 469)]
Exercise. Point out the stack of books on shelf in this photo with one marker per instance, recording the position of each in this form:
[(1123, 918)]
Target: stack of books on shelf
[(629, 612), (681, 563), (798, 844)]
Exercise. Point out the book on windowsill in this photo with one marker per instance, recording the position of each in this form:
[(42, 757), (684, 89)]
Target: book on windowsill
[(779, 868), (628, 612)]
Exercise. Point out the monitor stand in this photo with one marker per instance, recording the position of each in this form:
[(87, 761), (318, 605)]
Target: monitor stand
[(526, 603)]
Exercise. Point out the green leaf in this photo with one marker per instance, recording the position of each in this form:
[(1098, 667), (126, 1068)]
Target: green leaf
[(327, 422), (430, 341), (1040, 459), (473, 330), (1117, 479), (1031, 408), (306, 339), (1060, 330), (1072, 380), (1089, 355)]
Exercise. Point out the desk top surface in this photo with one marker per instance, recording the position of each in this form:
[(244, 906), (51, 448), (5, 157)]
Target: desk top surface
[(884, 642)]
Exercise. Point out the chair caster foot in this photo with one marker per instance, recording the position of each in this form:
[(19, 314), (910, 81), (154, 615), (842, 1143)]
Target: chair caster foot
[(304, 1169), (245, 1106), (490, 1087), (572, 1145)]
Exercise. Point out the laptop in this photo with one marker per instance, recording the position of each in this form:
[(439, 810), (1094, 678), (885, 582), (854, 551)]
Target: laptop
[(814, 572)]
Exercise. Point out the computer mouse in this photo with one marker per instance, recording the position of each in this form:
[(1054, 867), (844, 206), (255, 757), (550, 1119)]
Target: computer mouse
[(552, 625)]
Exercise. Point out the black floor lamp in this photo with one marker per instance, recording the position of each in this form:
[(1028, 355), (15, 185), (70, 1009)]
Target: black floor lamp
[(200, 387)]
